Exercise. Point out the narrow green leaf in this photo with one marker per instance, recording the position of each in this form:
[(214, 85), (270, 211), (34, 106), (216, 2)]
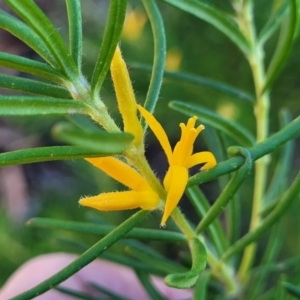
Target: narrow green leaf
[(107, 292), (75, 294), (42, 26), (33, 155), (132, 263), (230, 189), (279, 138), (26, 35), (289, 196), (85, 258), (284, 45), (199, 80), (292, 289), (29, 106), (33, 86), (160, 263), (159, 39), (230, 128), (135, 233), (30, 66), (145, 280), (272, 24), (94, 141), (188, 279), (215, 230), (75, 30), (215, 17), (113, 29)]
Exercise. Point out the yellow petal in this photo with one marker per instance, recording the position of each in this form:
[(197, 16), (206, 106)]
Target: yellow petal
[(177, 183), (201, 157), (158, 131), (184, 148), (125, 96), (167, 179), (121, 201), (121, 172)]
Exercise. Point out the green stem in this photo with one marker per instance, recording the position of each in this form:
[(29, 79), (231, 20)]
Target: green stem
[(256, 58), (101, 116), (183, 224)]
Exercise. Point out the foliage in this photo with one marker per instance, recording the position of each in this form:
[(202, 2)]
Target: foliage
[(57, 86)]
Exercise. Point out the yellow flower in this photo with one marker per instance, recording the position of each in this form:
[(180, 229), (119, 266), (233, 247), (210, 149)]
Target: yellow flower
[(137, 178), (141, 194), (180, 159)]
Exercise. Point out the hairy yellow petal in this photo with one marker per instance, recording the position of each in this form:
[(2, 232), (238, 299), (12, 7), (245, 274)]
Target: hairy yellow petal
[(167, 179), (176, 186), (121, 172), (125, 96), (121, 201), (158, 131), (202, 157)]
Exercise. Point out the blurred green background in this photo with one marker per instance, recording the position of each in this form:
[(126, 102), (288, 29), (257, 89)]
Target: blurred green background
[(52, 189)]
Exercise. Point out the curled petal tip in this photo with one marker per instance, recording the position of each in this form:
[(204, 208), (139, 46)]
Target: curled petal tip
[(210, 164)]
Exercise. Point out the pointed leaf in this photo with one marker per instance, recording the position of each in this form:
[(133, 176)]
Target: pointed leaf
[(188, 279), (33, 155), (30, 66), (33, 86), (159, 39), (94, 141), (26, 35), (113, 29), (75, 30), (28, 106), (46, 31)]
